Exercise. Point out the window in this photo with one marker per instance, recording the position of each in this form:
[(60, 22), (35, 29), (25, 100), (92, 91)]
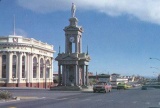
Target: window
[(23, 67), (14, 61), (34, 67), (41, 68), (4, 66)]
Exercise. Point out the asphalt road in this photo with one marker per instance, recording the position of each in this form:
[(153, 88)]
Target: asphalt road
[(134, 98)]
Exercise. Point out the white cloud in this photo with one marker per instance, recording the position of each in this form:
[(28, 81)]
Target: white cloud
[(145, 10)]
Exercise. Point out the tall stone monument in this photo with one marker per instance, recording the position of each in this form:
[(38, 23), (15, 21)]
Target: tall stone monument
[(73, 64)]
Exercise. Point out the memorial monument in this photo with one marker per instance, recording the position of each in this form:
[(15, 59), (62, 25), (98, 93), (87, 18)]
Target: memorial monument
[(73, 64)]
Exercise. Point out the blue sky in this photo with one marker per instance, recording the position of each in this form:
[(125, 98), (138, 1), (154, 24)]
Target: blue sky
[(121, 34)]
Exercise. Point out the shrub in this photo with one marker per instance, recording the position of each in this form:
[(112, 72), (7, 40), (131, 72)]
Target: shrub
[(5, 94)]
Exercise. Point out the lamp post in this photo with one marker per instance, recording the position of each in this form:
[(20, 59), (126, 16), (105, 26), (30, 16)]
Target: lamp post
[(46, 67), (155, 59), (154, 73), (13, 80)]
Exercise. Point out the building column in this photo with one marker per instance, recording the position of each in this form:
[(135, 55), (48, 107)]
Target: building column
[(27, 69), (19, 68), (9, 68), (31, 69), (38, 71), (59, 74), (86, 74)]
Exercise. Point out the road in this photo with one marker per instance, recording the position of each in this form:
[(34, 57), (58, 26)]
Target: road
[(134, 98)]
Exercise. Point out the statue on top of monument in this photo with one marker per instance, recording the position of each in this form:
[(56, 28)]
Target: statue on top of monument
[(73, 10)]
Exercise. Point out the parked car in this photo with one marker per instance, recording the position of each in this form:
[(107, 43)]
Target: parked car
[(123, 86), (102, 86)]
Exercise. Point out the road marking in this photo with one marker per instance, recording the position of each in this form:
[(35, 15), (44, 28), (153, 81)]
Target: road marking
[(12, 107), (99, 100), (134, 102), (42, 98), (147, 103), (86, 99), (74, 99), (3, 101), (62, 99)]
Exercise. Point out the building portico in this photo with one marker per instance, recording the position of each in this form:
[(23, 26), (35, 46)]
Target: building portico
[(25, 62)]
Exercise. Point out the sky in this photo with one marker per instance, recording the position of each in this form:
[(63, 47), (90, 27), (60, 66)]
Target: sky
[(121, 35)]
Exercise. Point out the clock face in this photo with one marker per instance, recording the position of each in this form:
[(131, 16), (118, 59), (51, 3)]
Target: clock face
[(71, 39), (15, 39)]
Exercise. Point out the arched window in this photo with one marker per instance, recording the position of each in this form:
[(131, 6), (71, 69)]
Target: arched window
[(3, 66), (41, 68), (34, 67), (23, 67), (14, 68), (47, 68)]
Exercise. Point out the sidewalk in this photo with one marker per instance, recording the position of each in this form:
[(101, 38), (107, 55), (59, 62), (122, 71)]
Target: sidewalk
[(22, 88), (88, 89)]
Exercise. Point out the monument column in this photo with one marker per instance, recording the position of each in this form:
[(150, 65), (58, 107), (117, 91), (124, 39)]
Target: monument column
[(67, 74), (83, 76), (80, 44), (86, 74), (78, 75), (63, 75), (59, 74), (76, 46), (75, 75)]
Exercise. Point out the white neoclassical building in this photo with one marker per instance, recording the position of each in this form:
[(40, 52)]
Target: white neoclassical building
[(25, 62)]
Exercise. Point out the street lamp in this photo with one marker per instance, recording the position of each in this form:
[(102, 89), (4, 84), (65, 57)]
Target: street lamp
[(13, 80), (46, 67), (155, 72)]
